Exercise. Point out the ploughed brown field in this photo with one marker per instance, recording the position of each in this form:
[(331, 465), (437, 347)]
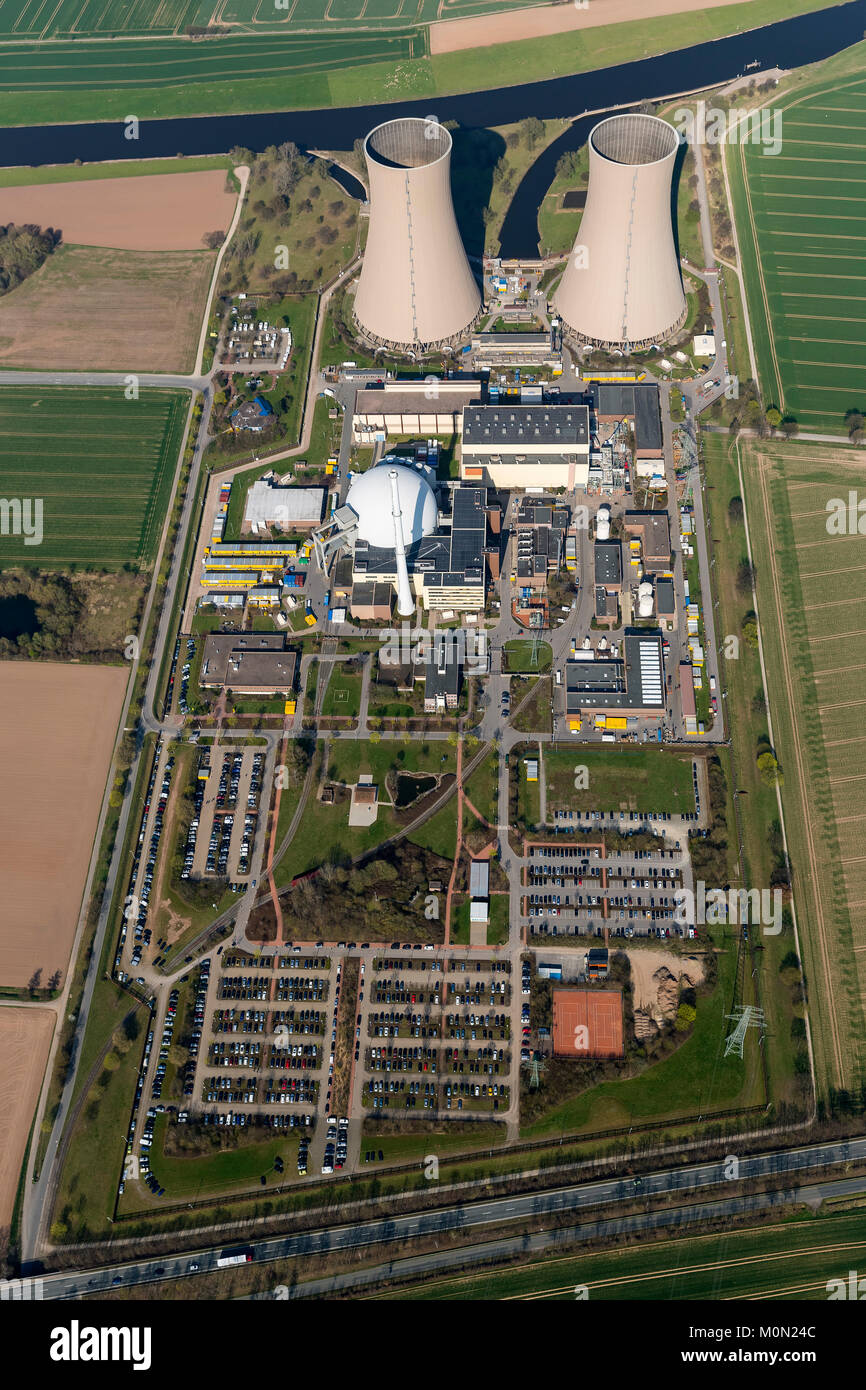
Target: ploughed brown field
[(56, 737), (515, 26), (25, 1038), (156, 212), (89, 308)]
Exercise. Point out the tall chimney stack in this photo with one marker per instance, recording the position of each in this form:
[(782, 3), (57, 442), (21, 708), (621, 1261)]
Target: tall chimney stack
[(405, 601)]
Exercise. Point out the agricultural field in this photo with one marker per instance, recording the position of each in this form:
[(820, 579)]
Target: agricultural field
[(101, 465), (810, 587), (791, 1260), (629, 780), (306, 60), (144, 311), (25, 1038), (801, 215), (56, 740)]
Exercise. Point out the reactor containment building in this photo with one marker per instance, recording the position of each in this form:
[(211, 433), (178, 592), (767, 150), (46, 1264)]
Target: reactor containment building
[(416, 290), (622, 285)]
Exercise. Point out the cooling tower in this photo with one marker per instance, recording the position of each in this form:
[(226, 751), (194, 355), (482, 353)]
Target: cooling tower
[(415, 288), (622, 283)]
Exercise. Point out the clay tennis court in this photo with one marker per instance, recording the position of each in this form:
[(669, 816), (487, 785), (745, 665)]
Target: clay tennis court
[(587, 1023), (157, 212), (453, 35), (25, 1037), (56, 737)]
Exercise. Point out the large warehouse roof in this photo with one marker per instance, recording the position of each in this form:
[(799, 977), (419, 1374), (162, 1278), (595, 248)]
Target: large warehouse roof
[(526, 425), (268, 503)]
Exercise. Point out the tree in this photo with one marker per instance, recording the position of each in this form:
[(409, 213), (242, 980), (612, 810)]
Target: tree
[(35, 981), (745, 577), (532, 129), (774, 417), (769, 769), (759, 702), (213, 240), (789, 427), (735, 510)]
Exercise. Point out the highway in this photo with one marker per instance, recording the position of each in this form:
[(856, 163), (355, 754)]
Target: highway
[(576, 1197)]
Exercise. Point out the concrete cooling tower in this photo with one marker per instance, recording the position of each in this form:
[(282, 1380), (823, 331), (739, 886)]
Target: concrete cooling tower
[(622, 284), (416, 289)]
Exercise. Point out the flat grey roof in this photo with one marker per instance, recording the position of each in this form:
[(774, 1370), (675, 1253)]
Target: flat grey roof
[(608, 563), (566, 425)]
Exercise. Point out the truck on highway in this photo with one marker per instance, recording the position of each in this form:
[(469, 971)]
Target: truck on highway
[(228, 1258)]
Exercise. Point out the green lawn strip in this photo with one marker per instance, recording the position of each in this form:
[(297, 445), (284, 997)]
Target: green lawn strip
[(742, 681), (121, 169), (94, 1161), (630, 779), (439, 833), (695, 1078)]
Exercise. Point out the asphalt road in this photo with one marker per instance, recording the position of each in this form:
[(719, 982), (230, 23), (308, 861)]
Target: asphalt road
[(459, 1217)]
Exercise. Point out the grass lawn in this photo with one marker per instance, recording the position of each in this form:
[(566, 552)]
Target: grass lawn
[(94, 1162), (402, 1148), (233, 1170), (102, 465), (439, 833), (482, 788), (630, 780), (324, 831), (343, 695), (518, 657), (742, 681)]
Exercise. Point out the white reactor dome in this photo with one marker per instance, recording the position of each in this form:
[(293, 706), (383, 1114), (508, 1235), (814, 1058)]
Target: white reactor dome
[(370, 499)]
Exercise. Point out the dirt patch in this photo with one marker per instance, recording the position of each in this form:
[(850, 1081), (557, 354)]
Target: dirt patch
[(56, 737), (25, 1037), (156, 212), (106, 309), (657, 977), (453, 35)]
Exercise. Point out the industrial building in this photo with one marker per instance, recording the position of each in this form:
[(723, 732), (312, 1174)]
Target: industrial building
[(652, 532), (516, 349), (392, 528), (540, 528), (526, 446), (622, 284), (636, 403), (443, 672), (416, 290), (411, 408), (269, 503), (248, 663), (633, 683)]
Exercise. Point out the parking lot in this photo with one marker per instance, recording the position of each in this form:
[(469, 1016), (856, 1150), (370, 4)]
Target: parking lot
[(580, 889), (225, 821)]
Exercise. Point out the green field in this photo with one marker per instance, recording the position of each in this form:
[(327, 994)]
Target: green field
[(793, 1259), (102, 465), (518, 656), (343, 695), (809, 586), (639, 780), (265, 71), (801, 216)]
